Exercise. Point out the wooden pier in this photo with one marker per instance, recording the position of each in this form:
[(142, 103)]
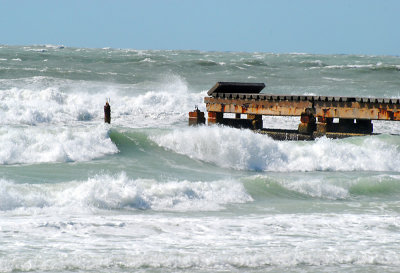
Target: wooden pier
[(317, 113)]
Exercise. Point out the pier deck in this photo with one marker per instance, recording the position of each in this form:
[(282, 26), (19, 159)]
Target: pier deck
[(316, 113), (291, 105)]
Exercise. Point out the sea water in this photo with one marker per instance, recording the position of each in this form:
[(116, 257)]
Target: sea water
[(149, 194)]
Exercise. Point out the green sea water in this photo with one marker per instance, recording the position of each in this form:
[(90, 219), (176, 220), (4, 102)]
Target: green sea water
[(147, 193)]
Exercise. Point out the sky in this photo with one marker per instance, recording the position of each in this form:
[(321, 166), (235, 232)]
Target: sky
[(278, 26)]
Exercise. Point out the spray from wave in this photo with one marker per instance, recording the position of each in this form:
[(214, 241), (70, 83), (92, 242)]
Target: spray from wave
[(57, 101), (29, 145), (168, 104), (245, 150)]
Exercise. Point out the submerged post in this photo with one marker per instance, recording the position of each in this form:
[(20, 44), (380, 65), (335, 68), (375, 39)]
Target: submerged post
[(107, 113)]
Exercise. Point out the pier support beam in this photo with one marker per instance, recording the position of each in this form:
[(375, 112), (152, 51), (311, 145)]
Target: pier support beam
[(215, 117), (256, 121), (324, 125), (196, 117), (307, 125), (364, 126), (345, 125)]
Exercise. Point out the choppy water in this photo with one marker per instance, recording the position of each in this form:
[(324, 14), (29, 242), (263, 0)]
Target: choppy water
[(149, 194)]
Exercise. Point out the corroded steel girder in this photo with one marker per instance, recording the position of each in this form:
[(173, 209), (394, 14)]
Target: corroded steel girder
[(322, 107), (357, 110), (269, 108)]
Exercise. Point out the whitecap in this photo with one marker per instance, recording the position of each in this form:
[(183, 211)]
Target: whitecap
[(245, 150), (118, 191), (29, 145)]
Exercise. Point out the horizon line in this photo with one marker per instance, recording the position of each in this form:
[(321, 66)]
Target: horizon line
[(61, 46)]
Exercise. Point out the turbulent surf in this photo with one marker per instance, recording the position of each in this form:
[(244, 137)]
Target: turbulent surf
[(147, 193)]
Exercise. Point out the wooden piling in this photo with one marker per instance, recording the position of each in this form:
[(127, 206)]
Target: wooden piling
[(196, 117), (107, 113)]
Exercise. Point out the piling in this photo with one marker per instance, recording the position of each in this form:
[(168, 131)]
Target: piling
[(307, 122), (196, 117), (107, 113), (215, 117)]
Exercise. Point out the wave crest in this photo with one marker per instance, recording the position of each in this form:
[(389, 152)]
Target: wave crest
[(120, 192), (245, 150), (29, 145)]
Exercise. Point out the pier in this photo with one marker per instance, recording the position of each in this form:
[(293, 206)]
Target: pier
[(317, 113)]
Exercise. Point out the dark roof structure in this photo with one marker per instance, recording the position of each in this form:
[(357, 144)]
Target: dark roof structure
[(236, 87)]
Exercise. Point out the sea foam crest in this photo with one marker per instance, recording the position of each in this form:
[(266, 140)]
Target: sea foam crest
[(26, 145), (167, 103), (120, 192), (49, 105), (44, 100), (245, 150)]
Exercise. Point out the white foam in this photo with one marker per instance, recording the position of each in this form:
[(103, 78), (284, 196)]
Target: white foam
[(245, 150), (120, 192), (334, 79), (168, 104), (360, 66), (285, 242), (21, 145), (48, 105), (14, 196), (45, 100), (147, 60), (317, 63)]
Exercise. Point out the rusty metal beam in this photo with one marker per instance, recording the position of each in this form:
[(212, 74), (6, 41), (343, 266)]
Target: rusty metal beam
[(358, 110), (323, 107), (256, 107)]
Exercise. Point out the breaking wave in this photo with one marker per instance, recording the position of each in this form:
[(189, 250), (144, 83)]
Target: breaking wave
[(27, 145), (336, 186), (120, 192), (245, 150), (58, 101)]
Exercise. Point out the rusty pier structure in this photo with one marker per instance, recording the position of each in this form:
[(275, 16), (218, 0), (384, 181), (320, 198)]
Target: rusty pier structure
[(333, 117)]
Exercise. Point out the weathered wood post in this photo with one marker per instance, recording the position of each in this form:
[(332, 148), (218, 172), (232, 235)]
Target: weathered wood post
[(196, 117), (107, 113)]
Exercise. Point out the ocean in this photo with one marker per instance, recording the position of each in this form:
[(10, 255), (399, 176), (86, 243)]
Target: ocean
[(148, 193)]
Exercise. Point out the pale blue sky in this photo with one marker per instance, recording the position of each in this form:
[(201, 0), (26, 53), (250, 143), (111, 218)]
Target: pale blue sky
[(279, 26)]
